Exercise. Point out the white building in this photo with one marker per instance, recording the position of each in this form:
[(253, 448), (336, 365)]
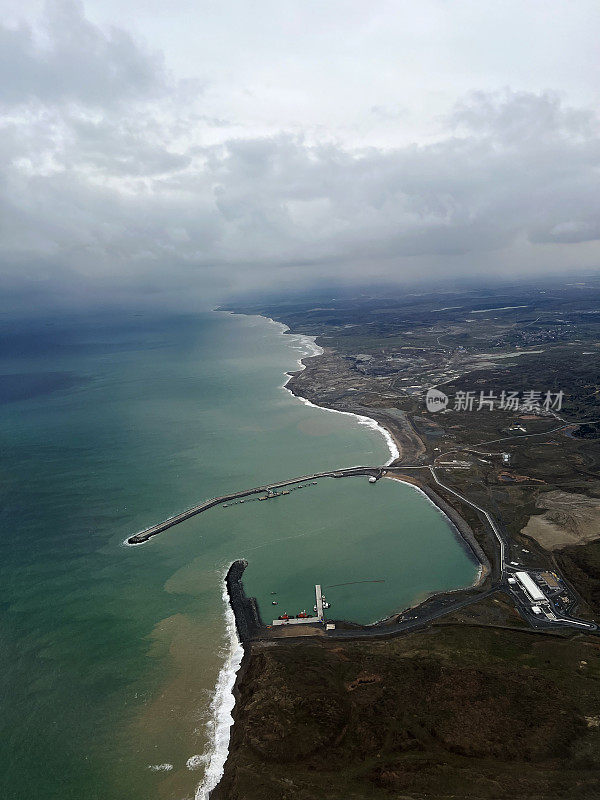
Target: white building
[(532, 590)]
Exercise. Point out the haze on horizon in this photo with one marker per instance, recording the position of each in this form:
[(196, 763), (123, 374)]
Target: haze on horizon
[(176, 153)]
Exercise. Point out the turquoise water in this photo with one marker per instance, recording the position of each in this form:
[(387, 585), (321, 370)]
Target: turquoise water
[(109, 654), (369, 547)]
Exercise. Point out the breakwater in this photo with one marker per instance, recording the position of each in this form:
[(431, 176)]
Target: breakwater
[(148, 533), (245, 609)]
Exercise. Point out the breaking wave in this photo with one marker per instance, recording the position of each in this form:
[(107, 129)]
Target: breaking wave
[(221, 708), (309, 348)]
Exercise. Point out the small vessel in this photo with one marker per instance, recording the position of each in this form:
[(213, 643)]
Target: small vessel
[(302, 615), (274, 602), (284, 616), (325, 603), (273, 592)]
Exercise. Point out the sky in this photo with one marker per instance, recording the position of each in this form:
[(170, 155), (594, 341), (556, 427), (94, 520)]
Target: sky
[(176, 153)]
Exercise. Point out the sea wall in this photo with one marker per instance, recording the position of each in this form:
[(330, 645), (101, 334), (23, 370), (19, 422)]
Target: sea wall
[(245, 609), (459, 525)]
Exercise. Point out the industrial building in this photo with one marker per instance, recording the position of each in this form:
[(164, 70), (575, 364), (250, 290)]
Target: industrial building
[(532, 590)]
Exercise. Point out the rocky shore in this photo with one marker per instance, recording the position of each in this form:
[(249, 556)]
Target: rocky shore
[(245, 609)]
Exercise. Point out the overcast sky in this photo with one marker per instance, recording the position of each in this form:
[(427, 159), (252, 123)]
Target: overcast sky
[(175, 151)]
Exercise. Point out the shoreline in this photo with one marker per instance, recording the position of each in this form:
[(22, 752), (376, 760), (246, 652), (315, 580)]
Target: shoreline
[(459, 527), (222, 703), (317, 350), (457, 524), (243, 616)]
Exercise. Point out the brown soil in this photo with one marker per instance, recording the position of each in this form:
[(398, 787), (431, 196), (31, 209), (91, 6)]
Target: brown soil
[(569, 519)]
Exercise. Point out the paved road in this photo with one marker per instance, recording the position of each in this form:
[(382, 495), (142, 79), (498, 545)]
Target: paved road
[(415, 618), (487, 515)]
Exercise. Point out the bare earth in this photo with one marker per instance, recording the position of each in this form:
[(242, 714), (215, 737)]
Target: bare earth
[(570, 519)]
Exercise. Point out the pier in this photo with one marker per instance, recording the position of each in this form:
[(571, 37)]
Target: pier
[(272, 494), (269, 489), (306, 620)]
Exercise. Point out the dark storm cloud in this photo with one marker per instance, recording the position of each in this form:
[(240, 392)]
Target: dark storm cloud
[(110, 184), (466, 194)]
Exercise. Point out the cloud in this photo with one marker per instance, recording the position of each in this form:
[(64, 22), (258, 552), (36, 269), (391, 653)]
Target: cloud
[(520, 117), (110, 185), (73, 60)]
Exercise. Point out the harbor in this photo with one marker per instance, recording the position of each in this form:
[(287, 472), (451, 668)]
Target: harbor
[(307, 619)]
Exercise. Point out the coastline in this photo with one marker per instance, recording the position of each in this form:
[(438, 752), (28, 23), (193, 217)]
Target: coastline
[(244, 620), (222, 704), (458, 526), (317, 350)]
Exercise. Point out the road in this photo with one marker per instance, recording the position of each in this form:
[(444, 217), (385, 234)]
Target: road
[(487, 515), (414, 618)]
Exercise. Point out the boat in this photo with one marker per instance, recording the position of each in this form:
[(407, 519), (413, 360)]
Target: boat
[(274, 602), (325, 604)]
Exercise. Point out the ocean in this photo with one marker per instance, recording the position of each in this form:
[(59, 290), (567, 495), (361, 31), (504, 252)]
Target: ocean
[(116, 662)]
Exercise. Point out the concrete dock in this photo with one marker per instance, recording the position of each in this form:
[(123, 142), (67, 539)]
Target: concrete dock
[(306, 620)]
